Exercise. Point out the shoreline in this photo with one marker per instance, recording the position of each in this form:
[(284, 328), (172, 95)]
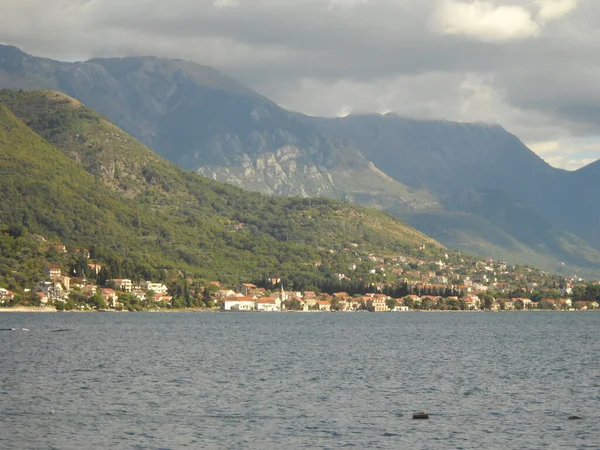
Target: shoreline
[(44, 309), (51, 309)]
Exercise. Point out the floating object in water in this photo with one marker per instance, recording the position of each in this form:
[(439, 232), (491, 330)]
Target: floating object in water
[(575, 417), (24, 329), (59, 330), (420, 415)]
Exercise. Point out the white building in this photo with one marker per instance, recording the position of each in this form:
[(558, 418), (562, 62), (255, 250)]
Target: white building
[(400, 308), (124, 284), (239, 303), (157, 288), (268, 304)]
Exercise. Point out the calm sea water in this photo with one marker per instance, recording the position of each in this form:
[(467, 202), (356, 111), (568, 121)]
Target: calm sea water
[(324, 380)]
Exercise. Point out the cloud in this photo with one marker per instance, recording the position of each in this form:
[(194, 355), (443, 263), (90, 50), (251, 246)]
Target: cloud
[(529, 65), (545, 147), (226, 3), (487, 21), (562, 162), (484, 20), (551, 10), (570, 153)]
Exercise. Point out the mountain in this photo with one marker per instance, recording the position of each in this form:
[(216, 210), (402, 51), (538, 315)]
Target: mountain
[(70, 175), (438, 155), (498, 196), (204, 121), (475, 187)]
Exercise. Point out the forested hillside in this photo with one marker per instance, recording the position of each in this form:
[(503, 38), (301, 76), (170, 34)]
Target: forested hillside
[(472, 186), (74, 178)]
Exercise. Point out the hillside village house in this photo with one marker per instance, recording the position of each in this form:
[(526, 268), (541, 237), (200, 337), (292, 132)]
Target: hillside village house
[(42, 297), (250, 303), (324, 305), (6, 296), (222, 293), (509, 304), (52, 271), (524, 302), (400, 307), (162, 300), (157, 288), (563, 303), (83, 251), (95, 267), (246, 289), (268, 304), (585, 305), (472, 302), (64, 280), (53, 290), (119, 284), (376, 302), (109, 296), (245, 303)]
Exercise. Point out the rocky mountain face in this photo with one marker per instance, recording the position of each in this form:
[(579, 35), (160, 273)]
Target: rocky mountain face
[(474, 187), (206, 122)]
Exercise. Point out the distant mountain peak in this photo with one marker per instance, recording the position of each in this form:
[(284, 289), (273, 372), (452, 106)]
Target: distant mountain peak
[(170, 69)]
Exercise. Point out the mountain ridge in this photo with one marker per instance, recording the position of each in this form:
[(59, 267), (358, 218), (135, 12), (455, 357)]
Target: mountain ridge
[(413, 169)]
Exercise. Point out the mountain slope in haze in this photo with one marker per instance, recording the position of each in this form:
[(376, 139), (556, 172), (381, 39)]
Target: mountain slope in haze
[(490, 178), (105, 190), (202, 120), (442, 155), (483, 188)]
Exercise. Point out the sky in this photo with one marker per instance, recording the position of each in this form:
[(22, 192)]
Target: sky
[(528, 65)]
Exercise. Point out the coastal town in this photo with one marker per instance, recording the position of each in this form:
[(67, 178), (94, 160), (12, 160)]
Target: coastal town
[(371, 283)]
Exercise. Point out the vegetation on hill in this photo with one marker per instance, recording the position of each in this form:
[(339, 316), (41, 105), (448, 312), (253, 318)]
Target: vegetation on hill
[(83, 182), (487, 191)]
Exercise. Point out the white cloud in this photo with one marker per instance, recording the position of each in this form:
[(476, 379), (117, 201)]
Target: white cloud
[(491, 22), (484, 20), (543, 148), (562, 162), (570, 153), (554, 9)]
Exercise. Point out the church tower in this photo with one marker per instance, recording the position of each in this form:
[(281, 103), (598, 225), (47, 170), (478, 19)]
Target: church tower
[(282, 296)]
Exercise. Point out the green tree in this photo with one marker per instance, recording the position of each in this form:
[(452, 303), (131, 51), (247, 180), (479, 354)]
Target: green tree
[(453, 304), (293, 304), (78, 297), (409, 302), (487, 301), (335, 304), (97, 301), (518, 305)]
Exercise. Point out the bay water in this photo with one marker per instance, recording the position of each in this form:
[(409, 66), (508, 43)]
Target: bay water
[(299, 380)]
